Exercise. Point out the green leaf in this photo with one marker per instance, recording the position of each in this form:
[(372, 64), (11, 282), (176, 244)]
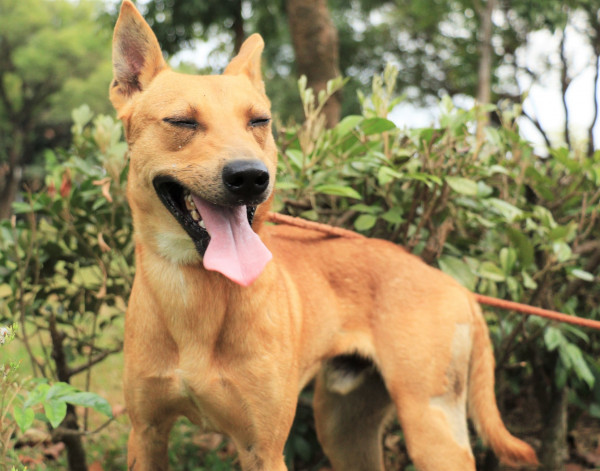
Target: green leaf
[(523, 245), (19, 207), (461, 185), (311, 215), (23, 417), (553, 338), (507, 210), (528, 282), (394, 215), (594, 410), (82, 116), (508, 257), (514, 288), (88, 399), (37, 395), (338, 190), (296, 157), (579, 364), (386, 175), (364, 222), (498, 169), (459, 270), (282, 185), (376, 126), (59, 389), (559, 232), (582, 274), (491, 271), (348, 124), (562, 251), (55, 410), (484, 190), (363, 208), (425, 178)]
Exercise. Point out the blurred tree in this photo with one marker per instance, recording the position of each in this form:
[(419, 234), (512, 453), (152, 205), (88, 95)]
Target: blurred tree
[(315, 41), (52, 56), (473, 48), (176, 23), (311, 32), (467, 48)]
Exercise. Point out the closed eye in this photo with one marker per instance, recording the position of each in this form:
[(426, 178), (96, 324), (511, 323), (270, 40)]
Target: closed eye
[(261, 121), (189, 123)]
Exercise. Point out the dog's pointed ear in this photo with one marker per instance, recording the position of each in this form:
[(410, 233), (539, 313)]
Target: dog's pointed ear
[(247, 62), (137, 58)]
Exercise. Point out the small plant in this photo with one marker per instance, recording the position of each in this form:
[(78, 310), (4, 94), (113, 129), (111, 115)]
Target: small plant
[(66, 268), (10, 387)]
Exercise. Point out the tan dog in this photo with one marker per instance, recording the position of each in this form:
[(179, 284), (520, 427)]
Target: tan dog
[(221, 334)]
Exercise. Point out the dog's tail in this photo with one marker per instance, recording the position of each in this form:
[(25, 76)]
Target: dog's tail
[(482, 400)]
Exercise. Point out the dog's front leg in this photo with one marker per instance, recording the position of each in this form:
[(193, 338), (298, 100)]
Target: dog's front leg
[(259, 458), (147, 447), (261, 428)]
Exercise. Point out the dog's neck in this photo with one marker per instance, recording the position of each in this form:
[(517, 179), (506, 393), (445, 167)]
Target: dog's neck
[(195, 291)]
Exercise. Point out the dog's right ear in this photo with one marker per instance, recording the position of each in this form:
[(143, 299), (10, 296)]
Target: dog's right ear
[(137, 58), (247, 62)]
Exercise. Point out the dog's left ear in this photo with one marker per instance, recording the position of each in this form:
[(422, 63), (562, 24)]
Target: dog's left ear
[(137, 58), (247, 62)]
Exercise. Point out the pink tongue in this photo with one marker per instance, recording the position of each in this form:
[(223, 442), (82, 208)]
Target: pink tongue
[(234, 250)]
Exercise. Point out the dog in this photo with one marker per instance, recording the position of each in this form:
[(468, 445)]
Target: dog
[(230, 318)]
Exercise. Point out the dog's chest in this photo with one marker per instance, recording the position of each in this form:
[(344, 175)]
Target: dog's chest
[(220, 394)]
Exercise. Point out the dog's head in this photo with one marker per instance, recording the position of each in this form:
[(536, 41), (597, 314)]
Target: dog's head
[(202, 155)]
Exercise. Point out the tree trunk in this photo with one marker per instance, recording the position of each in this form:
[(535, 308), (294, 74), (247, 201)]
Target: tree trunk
[(8, 193), (14, 172), (484, 74), (315, 42), (552, 403), (565, 81), (594, 21), (238, 27), (553, 454), (75, 450)]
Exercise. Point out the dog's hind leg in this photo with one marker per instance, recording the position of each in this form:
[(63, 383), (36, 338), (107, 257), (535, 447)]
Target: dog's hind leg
[(351, 405), (147, 447), (430, 429), (432, 407)]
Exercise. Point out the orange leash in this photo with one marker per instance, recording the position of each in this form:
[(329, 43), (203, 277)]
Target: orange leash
[(537, 311), (487, 300)]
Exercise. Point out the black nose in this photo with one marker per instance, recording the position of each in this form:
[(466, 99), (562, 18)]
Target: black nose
[(246, 179)]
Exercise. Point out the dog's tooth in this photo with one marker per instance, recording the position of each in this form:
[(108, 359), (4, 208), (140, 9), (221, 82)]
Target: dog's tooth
[(195, 215), (201, 224)]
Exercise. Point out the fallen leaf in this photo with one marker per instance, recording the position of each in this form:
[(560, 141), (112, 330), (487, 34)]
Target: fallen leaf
[(65, 185), (95, 466), (54, 451), (118, 409)]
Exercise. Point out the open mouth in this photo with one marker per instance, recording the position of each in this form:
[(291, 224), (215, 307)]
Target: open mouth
[(179, 200)]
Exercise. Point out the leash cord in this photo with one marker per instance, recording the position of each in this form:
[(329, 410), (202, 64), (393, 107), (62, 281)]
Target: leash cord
[(482, 299)]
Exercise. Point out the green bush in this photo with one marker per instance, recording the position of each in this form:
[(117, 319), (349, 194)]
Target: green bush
[(66, 268)]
